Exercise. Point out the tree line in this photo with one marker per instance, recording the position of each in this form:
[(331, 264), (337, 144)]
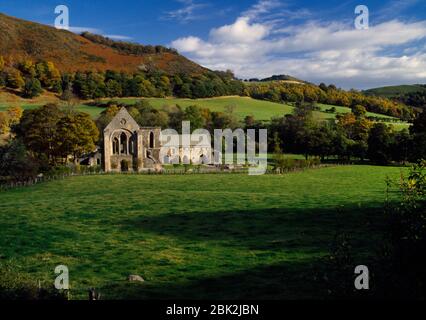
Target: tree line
[(52, 135), (31, 78), (353, 135), (284, 92), (45, 137), (127, 47), (415, 99)]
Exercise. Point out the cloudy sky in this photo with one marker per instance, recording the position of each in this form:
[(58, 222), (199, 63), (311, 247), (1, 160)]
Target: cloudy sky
[(312, 40)]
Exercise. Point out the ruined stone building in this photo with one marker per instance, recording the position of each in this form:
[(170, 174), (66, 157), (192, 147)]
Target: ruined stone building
[(129, 147)]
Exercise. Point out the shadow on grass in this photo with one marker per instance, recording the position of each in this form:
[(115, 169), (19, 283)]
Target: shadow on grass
[(304, 235), (305, 280), (266, 229), (24, 238)]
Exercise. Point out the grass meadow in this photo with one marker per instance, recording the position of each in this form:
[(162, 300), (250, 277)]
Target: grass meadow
[(220, 236)]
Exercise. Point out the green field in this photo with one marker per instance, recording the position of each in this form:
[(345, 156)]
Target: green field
[(192, 236), (343, 110), (261, 110), (93, 111)]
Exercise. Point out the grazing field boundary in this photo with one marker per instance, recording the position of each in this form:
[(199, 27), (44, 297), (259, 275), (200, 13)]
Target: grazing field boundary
[(237, 171)]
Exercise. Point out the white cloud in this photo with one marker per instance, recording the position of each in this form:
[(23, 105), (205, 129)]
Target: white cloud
[(262, 7), (313, 51), (189, 44), (187, 12), (240, 32)]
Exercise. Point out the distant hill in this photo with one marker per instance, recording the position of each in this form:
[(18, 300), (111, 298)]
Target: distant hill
[(411, 95), (395, 91), (20, 39), (281, 77)]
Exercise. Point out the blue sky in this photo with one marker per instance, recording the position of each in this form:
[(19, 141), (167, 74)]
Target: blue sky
[(313, 40)]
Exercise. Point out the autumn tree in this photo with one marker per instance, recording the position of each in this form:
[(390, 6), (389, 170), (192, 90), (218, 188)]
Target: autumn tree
[(15, 80), (356, 130), (1, 63), (28, 69), (4, 123), (48, 74), (359, 111), (14, 115), (77, 134), (106, 116), (38, 131)]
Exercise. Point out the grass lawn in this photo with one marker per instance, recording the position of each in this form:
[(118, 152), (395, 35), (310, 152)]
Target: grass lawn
[(192, 236)]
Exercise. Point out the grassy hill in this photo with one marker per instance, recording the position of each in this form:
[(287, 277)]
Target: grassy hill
[(261, 110), (244, 106), (21, 39), (192, 236), (394, 91)]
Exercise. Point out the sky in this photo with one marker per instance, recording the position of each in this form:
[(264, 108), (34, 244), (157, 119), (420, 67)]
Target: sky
[(312, 40)]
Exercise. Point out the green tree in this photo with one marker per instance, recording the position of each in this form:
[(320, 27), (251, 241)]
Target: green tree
[(113, 88), (359, 111), (32, 88), (38, 131), (194, 115), (379, 144), (78, 135), (16, 162), (418, 131)]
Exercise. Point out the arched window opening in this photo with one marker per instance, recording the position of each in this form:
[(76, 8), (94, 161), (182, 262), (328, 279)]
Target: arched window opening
[(115, 146), (151, 140), (123, 143), (131, 146)]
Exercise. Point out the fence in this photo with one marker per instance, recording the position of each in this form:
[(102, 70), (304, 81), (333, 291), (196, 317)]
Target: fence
[(174, 171)]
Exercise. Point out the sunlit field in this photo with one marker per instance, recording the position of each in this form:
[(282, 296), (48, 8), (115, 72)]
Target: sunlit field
[(192, 236)]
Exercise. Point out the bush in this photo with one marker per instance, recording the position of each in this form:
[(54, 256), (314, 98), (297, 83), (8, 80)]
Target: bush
[(32, 88), (286, 164), (16, 163), (15, 285), (403, 258)]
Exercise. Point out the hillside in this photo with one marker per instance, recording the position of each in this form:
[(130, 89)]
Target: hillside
[(281, 77), (36, 58), (243, 106), (394, 91), (20, 39)]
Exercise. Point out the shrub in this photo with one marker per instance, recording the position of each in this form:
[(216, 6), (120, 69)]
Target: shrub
[(15, 285), (32, 88), (403, 257)]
